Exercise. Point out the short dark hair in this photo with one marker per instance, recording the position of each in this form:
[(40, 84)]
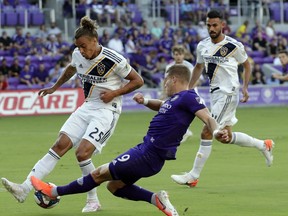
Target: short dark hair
[(283, 51), (214, 14)]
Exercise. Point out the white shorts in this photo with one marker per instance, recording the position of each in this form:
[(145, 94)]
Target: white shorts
[(223, 108), (94, 125)]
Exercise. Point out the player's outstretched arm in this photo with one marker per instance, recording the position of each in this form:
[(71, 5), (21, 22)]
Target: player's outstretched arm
[(205, 116), (153, 104)]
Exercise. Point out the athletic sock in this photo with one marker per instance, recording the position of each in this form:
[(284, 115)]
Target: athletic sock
[(202, 155), (81, 185), (87, 167), (245, 140), (42, 168), (134, 192)]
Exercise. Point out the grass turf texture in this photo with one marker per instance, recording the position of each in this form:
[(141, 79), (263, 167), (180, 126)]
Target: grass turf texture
[(235, 180)]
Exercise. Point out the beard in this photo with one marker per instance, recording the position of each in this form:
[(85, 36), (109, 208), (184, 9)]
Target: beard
[(214, 35)]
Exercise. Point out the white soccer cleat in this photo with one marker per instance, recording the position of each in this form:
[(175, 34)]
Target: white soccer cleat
[(15, 189), (185, 179), (91, 206), (187, 135), (163, 203), (269, 144)]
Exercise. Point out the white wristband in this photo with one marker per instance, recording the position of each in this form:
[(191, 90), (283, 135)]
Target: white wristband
[(215, 133), (145, 101)]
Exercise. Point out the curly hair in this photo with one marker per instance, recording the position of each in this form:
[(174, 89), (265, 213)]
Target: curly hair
[(88, 27)]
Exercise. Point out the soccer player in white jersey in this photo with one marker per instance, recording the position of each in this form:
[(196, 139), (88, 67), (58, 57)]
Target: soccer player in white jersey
[(106, 76), (220, 55)]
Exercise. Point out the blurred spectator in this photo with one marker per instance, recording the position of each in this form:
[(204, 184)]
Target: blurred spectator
[(178, 37), (121, 31), (67, 9), (187, 10), (282, 42), (104, 39), (26, 76), (97, 11), (134, 27), (145, 38), (110, 9), (161, 64), (273, 48), (226, 29), (202, 31), (3, 82), (270, 30), (54, 29), (42, 32), (62, 45), (15, 68), (52, 45), (116, 44), (168, 28), (81, 8), (4, 67), (55, 72), (259, 43), (130, 46), (123, 13), (18, 39), (242, 30), (29, 48), (5, 41), (41, 75), (40, 48), (258, 77), (201, 10), (165, 43), (156, 31), (283, 57)]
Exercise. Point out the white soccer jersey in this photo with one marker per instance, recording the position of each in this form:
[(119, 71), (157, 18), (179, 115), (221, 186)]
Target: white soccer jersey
[(221, 62), (106, 71), (186, 63)]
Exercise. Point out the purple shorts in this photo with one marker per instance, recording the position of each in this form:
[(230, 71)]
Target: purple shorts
[(136, 163)]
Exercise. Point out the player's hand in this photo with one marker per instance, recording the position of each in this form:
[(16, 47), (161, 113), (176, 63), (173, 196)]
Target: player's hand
[(221, 135), (245, 95), (45, 91), (139, 98), (107, 96)]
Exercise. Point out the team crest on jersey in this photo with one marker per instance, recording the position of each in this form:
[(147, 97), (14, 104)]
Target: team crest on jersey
[(223, 51), (100, 68), (175, 98)]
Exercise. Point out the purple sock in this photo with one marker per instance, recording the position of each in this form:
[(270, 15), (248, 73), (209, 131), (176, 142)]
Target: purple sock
[(134, 192), (81, 185)]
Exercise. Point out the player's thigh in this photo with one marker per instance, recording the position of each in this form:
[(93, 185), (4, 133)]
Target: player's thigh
[(135, 164), (75, 126), (101, 127), (223, 108)]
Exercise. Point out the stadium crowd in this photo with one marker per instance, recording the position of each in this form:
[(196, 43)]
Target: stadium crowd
[(35, 61)]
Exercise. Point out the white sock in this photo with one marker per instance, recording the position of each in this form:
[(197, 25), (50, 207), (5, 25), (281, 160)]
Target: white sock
[(87, 167), (245, 140), (42, 168), (201, 157)]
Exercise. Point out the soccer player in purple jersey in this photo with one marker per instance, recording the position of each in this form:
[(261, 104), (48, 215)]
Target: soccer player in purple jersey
[(159, 144)]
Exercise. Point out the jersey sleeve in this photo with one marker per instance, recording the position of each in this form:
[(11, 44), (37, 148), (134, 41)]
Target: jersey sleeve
[(200, 59), (124, 68), (240, 54), (193, 102)]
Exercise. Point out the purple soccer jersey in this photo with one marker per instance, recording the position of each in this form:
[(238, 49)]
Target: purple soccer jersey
[(167, 128), (164, 135)]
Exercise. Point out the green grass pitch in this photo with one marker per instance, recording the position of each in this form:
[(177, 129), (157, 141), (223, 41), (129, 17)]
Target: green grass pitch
[(234, 182)]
